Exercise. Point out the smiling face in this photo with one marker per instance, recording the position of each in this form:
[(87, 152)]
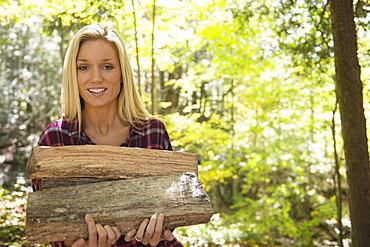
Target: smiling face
[(98, 74)]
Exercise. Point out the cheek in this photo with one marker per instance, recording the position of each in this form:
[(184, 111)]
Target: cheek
[(81, 81), (115, 80), (79, 78), (81, 90)]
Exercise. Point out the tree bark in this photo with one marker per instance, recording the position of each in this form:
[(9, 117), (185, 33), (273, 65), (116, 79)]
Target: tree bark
[(57, 214), (153, 88), (137, 48), (337, 180), (106, 162), (349, 93)]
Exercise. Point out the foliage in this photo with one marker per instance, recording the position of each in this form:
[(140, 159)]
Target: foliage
[(246, 85), (12, 215), (28, 78)]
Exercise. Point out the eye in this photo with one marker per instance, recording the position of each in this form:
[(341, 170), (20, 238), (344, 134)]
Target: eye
[(83, 67), (108, 67)]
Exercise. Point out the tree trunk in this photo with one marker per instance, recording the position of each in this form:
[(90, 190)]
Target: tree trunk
[(153, 88), (337, 180), (137, 48), (349, 93)]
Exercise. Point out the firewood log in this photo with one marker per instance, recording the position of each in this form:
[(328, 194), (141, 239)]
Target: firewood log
[(101, 161), (57, 214)]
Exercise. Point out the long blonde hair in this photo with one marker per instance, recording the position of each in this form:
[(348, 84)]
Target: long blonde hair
[(130, 107)]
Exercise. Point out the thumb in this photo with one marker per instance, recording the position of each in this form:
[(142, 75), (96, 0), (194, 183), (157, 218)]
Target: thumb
[(168, 235), (79, 243)]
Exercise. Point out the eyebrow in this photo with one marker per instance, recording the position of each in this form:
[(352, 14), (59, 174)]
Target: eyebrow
[(85, 60)]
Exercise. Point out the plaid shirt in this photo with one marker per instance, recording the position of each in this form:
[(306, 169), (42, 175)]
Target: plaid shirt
[(152, 135)]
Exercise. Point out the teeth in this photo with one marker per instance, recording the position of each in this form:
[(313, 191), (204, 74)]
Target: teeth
[(93, 90)]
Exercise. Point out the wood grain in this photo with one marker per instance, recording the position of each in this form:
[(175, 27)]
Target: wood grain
[(107, 162)]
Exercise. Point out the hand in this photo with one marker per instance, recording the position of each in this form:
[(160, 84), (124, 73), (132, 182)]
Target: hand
[(150, 232), (99, 236)]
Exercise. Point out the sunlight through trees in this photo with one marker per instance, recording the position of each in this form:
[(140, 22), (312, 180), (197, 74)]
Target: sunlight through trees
[(249, 86)]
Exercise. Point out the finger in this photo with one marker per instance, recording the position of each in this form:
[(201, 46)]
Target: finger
[(117, 233), (150, 229), (168, 235), (141, 230), (156, 237), (102, 235), (79, 243), (130, 235), (111, 236), (93, 237)]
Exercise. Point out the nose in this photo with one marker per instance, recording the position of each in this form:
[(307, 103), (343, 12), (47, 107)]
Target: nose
[(97, 76)]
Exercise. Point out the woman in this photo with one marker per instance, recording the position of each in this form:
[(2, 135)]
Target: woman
[(102, 106)]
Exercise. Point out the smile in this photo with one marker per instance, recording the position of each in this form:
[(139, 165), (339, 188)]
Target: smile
[(96, 90)]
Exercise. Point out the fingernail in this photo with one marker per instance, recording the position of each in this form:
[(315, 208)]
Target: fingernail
[(81, 242), (167, 234)]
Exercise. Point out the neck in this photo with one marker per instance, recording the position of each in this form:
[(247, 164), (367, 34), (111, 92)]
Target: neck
[(101, 120)]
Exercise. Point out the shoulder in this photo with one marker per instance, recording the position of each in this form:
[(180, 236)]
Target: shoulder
[(151, 126), (151, 134), (155, 123), (57, 131), (62, 124)]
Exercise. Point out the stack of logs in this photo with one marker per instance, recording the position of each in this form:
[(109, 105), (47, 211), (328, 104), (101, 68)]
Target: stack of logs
[(118, 186)]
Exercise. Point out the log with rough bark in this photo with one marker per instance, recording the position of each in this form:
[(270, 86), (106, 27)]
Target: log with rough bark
[(108, 162), (57, 214), (76, 181)]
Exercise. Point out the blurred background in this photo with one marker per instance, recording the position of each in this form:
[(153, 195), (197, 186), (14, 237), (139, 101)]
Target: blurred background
[(246, 85)]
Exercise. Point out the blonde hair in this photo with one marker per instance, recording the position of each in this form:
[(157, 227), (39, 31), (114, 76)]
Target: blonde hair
[(130, 107)]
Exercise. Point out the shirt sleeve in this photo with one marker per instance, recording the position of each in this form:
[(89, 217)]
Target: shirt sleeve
[(165, 138), (44, 140), (51, 137), (157, 136)]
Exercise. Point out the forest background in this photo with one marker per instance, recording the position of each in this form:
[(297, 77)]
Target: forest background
[(249, 86)]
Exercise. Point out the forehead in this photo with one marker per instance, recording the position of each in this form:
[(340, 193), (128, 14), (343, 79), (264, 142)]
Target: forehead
[(97, 49)]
